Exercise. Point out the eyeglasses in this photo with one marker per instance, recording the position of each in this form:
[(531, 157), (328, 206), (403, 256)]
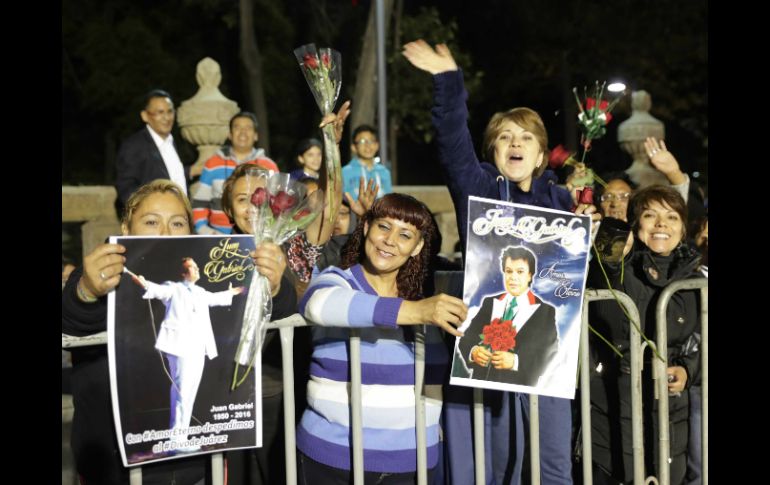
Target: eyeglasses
[(365, 141), (614, 197)]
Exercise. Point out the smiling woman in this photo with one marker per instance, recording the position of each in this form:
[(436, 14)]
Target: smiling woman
[(516, 151), (378, 288), (658, 257), (158, 208)]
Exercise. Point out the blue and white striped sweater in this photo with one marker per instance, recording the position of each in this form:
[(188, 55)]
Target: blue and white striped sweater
[(343, 298)]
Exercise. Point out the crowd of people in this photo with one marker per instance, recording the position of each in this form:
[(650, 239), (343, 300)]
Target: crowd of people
[(372, 269)]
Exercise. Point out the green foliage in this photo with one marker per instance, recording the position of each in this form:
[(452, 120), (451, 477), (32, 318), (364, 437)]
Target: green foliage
[(410, 91)]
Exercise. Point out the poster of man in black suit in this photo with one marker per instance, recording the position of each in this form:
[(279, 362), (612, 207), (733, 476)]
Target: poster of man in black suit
[(533, 320), (523, 282)]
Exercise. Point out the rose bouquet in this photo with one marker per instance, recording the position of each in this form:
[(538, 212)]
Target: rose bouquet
[(594, 115), (279, 209), (322, 71), (593, 118), (499, 335)]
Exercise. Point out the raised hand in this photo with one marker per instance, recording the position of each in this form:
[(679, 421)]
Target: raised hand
[(366, 197), (139, 280), (236, 290), (423, 56), (663, 160), (338, 119)]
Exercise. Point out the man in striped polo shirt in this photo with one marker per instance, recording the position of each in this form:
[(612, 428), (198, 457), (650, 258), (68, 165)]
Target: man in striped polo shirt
[(207, 198)]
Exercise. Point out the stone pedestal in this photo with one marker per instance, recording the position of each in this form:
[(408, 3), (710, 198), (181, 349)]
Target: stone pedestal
[(631, 136), (94, 233), (96, 206), (204, 119)]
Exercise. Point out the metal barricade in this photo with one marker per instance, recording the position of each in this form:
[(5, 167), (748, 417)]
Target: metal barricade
[(286, 327), (662, 383), (636, 384)]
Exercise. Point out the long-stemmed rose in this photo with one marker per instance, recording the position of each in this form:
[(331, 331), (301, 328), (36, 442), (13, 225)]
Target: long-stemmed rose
[(593, 116), (322, 71), (280, 208), (582, 177)]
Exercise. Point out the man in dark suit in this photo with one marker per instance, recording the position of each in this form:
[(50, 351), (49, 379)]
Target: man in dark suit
[(150, 153), (537, 339)]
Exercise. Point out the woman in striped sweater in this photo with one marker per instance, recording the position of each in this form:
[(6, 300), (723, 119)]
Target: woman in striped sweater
[(378, 288)]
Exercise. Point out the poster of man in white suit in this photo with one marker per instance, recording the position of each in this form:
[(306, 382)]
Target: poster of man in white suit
[(173, 329), (186, 337)]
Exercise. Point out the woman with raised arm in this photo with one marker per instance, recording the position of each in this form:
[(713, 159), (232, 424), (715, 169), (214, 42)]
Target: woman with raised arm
[(516, 149)]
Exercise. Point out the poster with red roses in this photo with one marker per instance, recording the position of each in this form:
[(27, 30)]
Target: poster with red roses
[(525, 275)]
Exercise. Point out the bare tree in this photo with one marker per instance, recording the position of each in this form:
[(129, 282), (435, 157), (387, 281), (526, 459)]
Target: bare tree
[(252, 64)]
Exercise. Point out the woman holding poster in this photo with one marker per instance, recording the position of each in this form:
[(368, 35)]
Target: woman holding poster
[(159, 208), (516, 149), (379, 289)]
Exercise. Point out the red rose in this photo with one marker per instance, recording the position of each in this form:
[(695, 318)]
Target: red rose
[(499, 335), (326, 60), (603, 105), (259, 197), (558, 156), (310, 61), (299, 215), (281, 203), (586, 196)]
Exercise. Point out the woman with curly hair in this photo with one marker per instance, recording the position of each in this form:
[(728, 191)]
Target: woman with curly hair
[(379, 289)]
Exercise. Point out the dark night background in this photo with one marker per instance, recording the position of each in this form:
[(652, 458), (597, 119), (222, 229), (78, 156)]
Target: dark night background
[(513, 54)]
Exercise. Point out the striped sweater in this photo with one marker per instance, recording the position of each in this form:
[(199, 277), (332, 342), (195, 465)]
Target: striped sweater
[(207, 198), (343, 298)]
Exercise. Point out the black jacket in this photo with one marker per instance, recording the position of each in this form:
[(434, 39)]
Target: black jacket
[(536, 344), (644, 277), (138, 162)]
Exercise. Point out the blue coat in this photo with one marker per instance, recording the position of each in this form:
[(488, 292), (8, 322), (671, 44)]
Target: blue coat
[(464, 173)]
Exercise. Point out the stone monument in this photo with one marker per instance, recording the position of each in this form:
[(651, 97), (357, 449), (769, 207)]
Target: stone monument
[(204, 119), (631, 136)]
